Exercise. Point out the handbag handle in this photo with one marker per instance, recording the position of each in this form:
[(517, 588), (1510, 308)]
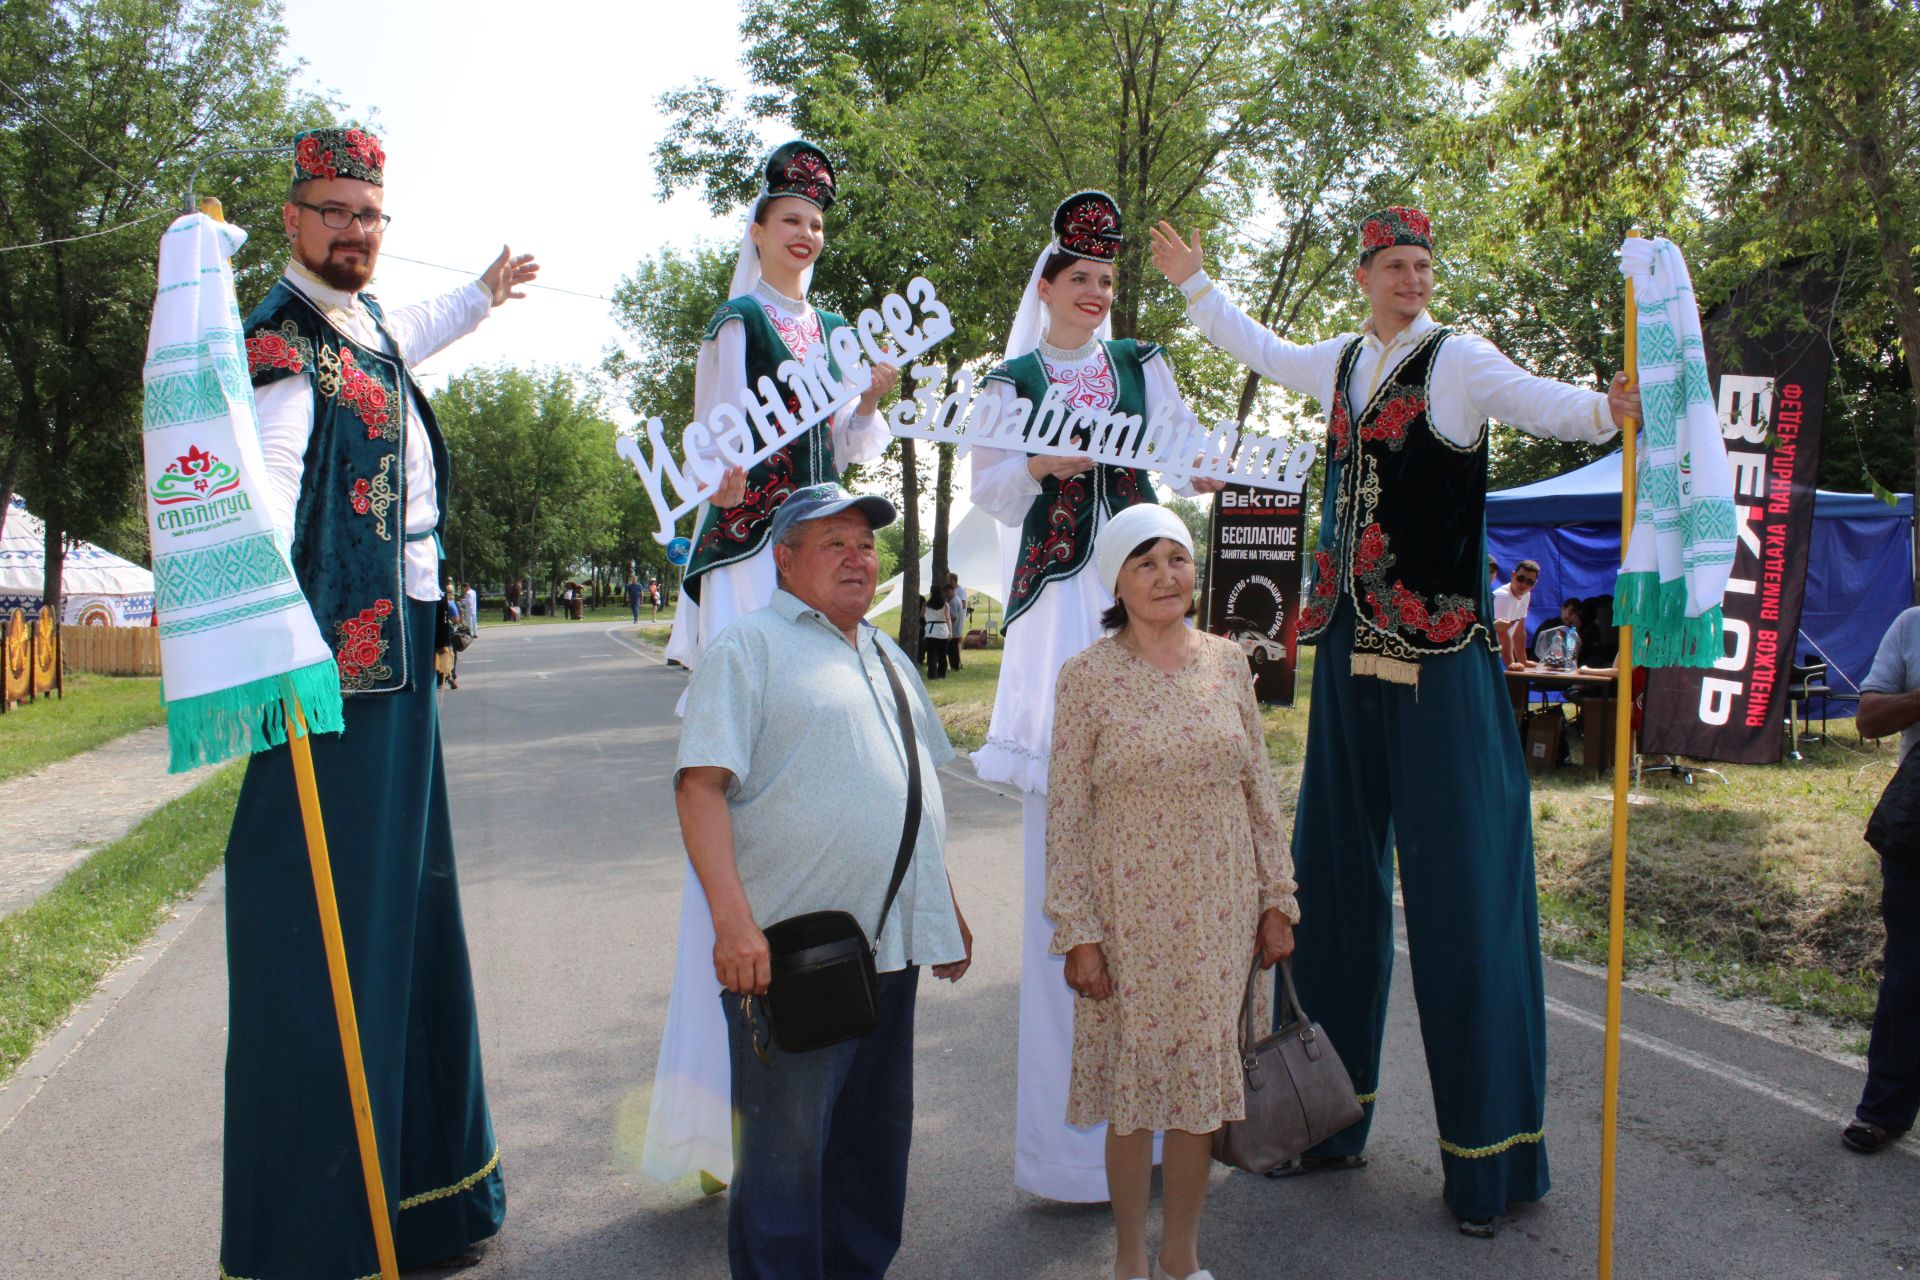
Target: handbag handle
[(1249, 1035), (910, 830)]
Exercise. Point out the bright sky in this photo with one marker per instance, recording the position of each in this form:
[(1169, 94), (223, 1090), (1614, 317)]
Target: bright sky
[(534, 128)]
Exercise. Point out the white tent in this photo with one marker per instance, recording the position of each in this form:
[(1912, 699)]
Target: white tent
[(973, 552), (97, 587)]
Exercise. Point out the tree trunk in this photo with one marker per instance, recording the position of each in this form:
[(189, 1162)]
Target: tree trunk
[(943, 497), (56, 552), (9, 478), (909, 636)]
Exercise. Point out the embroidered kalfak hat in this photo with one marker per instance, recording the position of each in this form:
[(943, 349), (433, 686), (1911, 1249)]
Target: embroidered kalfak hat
[(338, 153), (799, 169), (1394, 225), (1087, 225)]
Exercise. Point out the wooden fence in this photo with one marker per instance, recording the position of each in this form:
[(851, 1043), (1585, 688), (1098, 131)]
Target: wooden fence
[(112, 651)]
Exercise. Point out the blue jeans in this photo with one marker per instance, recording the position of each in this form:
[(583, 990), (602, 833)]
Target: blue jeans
[(1892, 1096), (820, 1146)]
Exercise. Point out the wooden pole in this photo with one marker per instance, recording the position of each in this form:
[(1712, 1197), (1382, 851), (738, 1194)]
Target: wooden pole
[(1622, 777), (342, 989)]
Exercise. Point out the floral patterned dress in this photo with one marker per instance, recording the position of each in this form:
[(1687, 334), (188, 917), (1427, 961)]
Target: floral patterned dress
[(1164, 845)]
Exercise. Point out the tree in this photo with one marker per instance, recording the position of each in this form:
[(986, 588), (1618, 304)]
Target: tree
[(1801, 119), (535, 480), (108, 106)]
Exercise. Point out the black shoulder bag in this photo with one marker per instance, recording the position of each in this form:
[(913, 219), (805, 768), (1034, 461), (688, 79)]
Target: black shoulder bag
[(1894, 828), (824, 988)]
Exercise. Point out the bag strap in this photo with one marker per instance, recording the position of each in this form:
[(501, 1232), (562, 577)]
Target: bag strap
[(1290, 1002), (910, 830)]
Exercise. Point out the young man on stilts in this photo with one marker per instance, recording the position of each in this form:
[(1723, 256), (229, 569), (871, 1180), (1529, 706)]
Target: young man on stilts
[(1411, 748), (357, 485)]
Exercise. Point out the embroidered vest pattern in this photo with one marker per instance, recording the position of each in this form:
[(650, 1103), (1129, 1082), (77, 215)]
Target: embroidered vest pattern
[(1056, 539), (1402, 524), (737, 533), (349, 540)]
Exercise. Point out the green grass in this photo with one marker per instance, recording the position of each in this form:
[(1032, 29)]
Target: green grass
[(92, 710), (54, 952), (490, 618)]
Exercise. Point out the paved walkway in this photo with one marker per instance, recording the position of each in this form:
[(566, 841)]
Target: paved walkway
[(60, 815)]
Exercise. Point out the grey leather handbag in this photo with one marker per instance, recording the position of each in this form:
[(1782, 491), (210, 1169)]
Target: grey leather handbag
[(1297, 1091)]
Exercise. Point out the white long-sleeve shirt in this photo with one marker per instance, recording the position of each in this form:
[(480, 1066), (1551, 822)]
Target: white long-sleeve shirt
[(286, 407), (1471, 380)]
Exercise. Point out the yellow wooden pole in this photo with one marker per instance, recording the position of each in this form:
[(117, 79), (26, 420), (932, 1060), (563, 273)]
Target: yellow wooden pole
[(342, 989), (336, 949), (1622, 777)]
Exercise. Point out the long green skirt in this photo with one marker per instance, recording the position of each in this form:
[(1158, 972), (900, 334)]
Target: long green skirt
[(295, 1202)]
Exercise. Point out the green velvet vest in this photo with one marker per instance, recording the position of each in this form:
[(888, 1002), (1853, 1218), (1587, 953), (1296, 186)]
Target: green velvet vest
[(1056, 538), (1403, 524), (349, 527), (737, 533)]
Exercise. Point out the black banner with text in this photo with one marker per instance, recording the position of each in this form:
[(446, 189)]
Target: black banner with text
[(1253, 583), (1772, 388)]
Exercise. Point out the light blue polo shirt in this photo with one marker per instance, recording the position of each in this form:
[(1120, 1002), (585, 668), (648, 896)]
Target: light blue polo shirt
[(806, 724)]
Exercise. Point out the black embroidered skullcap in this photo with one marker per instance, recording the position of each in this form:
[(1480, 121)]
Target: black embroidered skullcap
[(338, 153), (1394, 225), (799, 169), (1087, 225)]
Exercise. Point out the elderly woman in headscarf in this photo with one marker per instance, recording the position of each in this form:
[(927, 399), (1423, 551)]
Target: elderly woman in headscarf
[(1166, 869)]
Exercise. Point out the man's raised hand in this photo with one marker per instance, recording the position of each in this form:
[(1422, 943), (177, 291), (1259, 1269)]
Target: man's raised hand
[(503, 278)]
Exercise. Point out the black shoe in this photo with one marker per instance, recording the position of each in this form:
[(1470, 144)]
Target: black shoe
[(1317, 1164), (1867, 1138), (1479, 1228)]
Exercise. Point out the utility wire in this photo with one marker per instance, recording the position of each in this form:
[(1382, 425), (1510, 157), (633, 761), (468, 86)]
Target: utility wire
[(468, 271), (63, 133), (105, 231)]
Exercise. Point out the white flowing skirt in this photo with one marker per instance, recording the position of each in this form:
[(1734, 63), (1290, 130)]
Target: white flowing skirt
[(690, 1119)]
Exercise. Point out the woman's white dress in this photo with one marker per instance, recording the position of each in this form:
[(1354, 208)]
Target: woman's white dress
[(690, 1117), (1051, 1158)]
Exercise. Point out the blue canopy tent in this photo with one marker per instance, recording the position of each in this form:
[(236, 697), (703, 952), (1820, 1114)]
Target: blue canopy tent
[(1859, 563)]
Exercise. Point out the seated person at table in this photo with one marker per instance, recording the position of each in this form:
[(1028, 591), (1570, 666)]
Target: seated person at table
[(1510, 613)]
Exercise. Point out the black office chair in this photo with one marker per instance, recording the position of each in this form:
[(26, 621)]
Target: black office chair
[(1806, 680)]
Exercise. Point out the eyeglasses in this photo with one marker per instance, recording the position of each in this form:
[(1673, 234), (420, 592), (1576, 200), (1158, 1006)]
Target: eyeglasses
[(336, 218)]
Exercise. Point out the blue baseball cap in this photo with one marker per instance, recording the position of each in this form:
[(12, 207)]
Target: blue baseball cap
[(818, 501)]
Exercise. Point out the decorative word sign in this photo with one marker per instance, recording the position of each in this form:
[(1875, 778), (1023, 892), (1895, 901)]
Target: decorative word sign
[(741, 435), (1178, 448)]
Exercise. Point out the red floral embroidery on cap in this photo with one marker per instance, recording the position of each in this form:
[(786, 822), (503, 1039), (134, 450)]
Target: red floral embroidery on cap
[(314, 161)]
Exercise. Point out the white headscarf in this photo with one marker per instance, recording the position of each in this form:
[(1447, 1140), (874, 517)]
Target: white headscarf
[(1030, 321), (1139, 523)]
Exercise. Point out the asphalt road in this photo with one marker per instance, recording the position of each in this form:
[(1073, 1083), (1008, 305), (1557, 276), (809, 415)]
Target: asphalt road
[(560, 745)]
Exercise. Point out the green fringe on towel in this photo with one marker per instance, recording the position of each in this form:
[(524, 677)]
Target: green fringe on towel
[(251, 717), (1663, 634)]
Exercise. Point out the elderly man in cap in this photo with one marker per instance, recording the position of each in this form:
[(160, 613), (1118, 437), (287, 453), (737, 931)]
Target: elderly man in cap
[(357, 486), (793, 792), (1410, 742)]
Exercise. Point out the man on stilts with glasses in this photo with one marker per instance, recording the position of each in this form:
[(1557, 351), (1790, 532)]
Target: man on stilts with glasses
[(357, 487)]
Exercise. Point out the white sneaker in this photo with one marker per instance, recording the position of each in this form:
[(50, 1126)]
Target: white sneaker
[(1161, 1273)]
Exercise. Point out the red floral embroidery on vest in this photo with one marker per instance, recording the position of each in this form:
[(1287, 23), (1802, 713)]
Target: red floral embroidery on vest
[(1390, 424), (737, 523), (1340, 426), (1372, 549), (1062, 539), (359, 646), (1318, 610), (363, 394), (279, 349)]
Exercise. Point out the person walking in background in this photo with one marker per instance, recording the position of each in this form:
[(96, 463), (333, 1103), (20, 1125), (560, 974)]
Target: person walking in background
[(956, 619), (792, 791), (936, 630), (634, 593), (1890, 703), (1510, 605), (357, 484), (1411, 757), (446, 661), (1167, 868), (470, 609)]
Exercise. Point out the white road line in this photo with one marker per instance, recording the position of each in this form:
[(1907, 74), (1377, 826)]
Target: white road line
[(609, 634)]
